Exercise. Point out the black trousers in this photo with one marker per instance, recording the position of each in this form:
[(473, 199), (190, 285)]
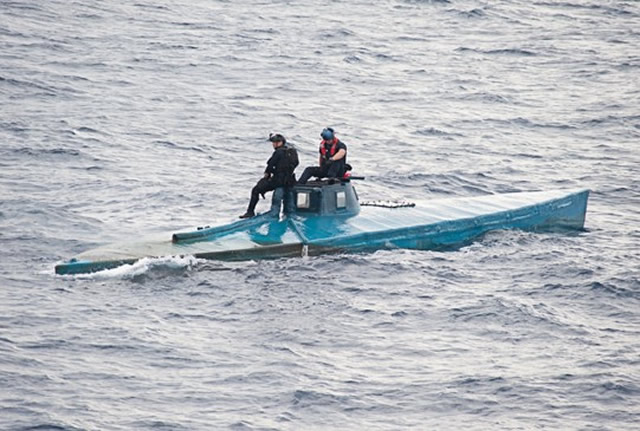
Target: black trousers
[(332, 170), (263, 186)]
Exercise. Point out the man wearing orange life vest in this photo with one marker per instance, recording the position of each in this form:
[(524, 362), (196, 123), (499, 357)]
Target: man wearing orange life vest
[(333, 158)]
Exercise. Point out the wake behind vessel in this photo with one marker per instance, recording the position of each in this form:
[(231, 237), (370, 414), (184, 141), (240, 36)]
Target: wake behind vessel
[(327, 217)]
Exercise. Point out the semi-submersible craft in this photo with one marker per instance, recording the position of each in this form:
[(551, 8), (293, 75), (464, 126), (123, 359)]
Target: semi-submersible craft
[(327, 217)]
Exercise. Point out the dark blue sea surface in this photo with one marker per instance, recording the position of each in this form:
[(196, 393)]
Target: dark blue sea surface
[(120, 119)]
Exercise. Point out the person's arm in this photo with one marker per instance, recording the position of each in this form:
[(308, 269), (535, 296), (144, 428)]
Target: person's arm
[(271, 164), (340, 154)]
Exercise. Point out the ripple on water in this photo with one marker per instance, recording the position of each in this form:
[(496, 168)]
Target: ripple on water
[(162, 124)]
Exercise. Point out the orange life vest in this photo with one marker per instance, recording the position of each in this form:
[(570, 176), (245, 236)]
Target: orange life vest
[(332, 150)]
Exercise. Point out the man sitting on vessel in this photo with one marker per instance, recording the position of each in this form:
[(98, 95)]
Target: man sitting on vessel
[(333, 158), (279, 171)]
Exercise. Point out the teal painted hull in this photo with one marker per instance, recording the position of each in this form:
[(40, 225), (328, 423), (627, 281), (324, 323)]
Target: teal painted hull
[(433, 225)]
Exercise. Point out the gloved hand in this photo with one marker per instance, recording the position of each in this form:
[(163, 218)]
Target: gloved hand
[(329, 161)]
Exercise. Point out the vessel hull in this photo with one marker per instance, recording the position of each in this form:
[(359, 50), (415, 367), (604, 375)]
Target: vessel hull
[(433, 225)]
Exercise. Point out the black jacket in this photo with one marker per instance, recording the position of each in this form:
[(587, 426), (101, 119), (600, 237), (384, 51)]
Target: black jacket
[(279, 167)]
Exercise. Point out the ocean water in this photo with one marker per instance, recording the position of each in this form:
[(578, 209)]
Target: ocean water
[(125, 118)]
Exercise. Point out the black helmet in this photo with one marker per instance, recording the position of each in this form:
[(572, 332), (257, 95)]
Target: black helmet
[(277, 137)]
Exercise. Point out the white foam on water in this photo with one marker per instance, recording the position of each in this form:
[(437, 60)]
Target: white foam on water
[(140, 267)]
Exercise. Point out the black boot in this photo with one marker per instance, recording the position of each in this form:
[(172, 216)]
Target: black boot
[(248, 214)]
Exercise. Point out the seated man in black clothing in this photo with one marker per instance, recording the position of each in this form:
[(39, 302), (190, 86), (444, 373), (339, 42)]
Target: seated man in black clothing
[(333, 158), (279, 171)]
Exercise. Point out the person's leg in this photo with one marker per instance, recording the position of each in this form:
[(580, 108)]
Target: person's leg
[(277, 197), (336, 169), (311, 171), (263, 186)]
